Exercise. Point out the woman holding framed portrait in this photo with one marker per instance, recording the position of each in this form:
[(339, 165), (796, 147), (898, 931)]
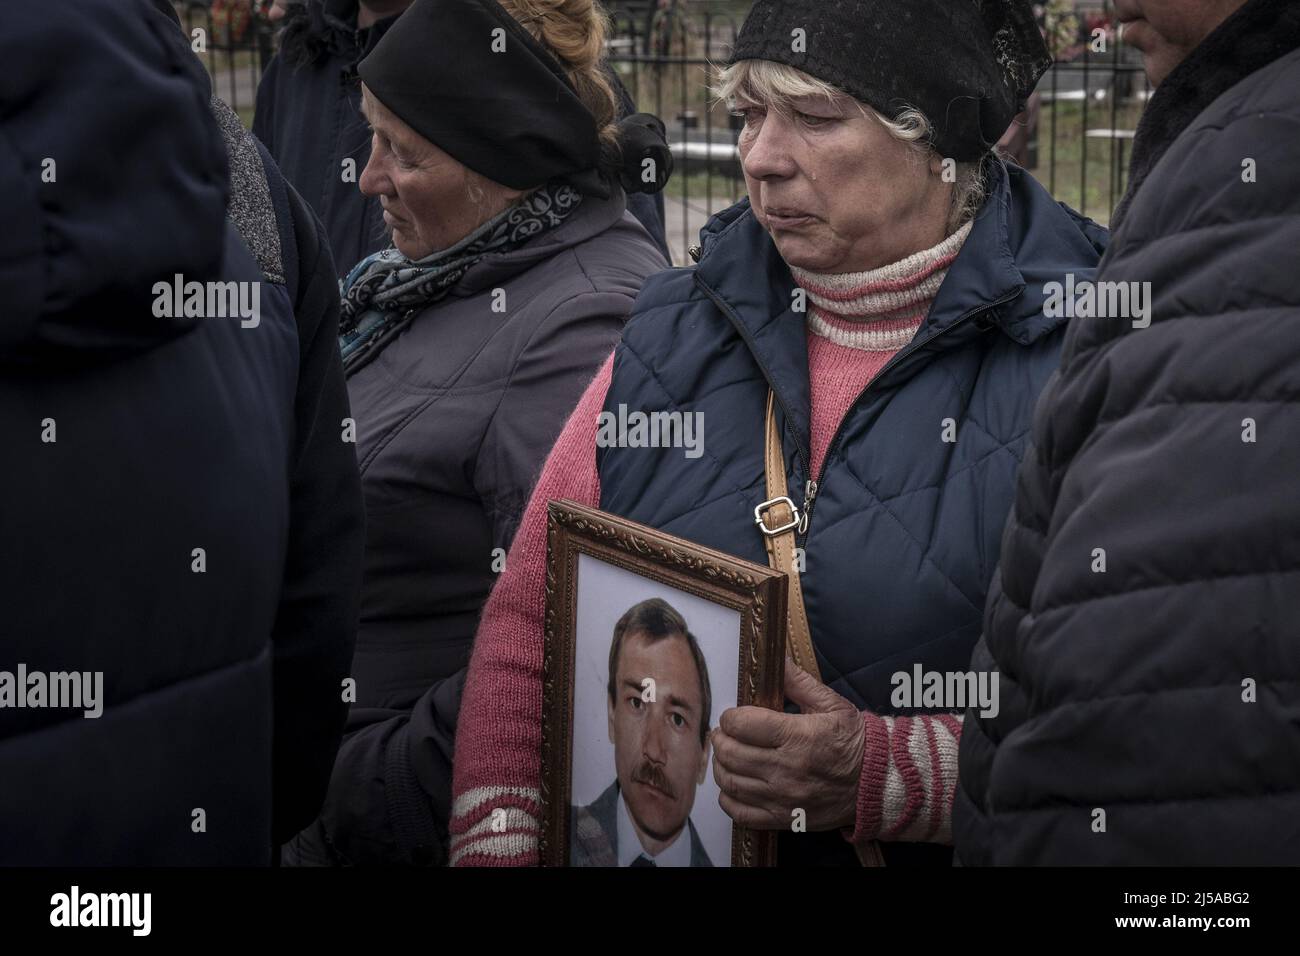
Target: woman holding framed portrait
[(843, 388)]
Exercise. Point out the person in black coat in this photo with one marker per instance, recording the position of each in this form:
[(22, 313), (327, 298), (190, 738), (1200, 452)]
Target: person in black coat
[(1143, 620), (182, 529), (309, 116)]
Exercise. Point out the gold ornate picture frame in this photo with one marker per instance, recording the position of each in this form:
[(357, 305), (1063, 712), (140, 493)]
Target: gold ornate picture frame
[(622, 561)]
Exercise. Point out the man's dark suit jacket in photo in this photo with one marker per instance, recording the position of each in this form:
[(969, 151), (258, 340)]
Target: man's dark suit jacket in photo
[(593, 833)]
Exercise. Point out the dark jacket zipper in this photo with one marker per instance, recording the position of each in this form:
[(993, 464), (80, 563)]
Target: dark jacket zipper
[(810, 495)]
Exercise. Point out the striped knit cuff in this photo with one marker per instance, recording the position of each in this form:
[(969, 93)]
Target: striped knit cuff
[(496, 826), (909, 778), (871, 784)]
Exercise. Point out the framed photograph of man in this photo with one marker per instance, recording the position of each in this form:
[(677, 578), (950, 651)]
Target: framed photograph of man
[(649, 638)]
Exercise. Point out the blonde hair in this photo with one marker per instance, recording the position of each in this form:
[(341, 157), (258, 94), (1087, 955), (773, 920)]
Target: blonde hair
[(574, 31), (776, 86)]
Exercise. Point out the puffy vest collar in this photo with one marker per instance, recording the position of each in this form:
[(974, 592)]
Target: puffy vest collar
[(1020, 240), (988, 270)]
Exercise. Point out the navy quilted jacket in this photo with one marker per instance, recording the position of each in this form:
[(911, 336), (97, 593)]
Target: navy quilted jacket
[(904, 531)]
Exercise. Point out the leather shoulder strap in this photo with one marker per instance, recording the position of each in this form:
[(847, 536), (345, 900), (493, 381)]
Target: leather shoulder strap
[(778, 518), (779, 512)]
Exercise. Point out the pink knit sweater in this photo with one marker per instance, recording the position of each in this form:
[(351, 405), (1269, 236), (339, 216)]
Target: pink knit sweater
[(856, 323)]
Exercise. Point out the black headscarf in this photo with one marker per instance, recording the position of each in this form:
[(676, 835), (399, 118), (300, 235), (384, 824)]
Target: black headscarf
[(466, 76), (968, 65)]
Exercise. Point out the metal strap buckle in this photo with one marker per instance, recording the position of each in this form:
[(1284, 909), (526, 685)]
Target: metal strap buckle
[(794, 522)]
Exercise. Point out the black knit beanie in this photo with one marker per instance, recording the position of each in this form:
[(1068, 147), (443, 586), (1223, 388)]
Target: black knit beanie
[(968, 65)]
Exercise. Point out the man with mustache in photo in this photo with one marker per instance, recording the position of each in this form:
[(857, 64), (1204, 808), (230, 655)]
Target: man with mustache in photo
[(660, 733)]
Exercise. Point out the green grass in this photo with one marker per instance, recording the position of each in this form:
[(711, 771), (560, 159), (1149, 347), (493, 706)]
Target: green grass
[(697, 186), (221, 60), (1091, 193)]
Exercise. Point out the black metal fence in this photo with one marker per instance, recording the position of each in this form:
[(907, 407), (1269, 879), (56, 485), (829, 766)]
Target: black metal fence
[(235, 41), (1074, 137)]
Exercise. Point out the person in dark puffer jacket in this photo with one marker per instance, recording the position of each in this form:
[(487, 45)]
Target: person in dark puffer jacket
[(309, 116), (1144, 617), (144, 438)]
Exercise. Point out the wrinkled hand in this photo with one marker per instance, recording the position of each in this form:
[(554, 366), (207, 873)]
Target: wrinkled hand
[(768, 764)]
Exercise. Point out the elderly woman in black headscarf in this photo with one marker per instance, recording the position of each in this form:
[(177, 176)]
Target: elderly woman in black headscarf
[(502, 176)]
